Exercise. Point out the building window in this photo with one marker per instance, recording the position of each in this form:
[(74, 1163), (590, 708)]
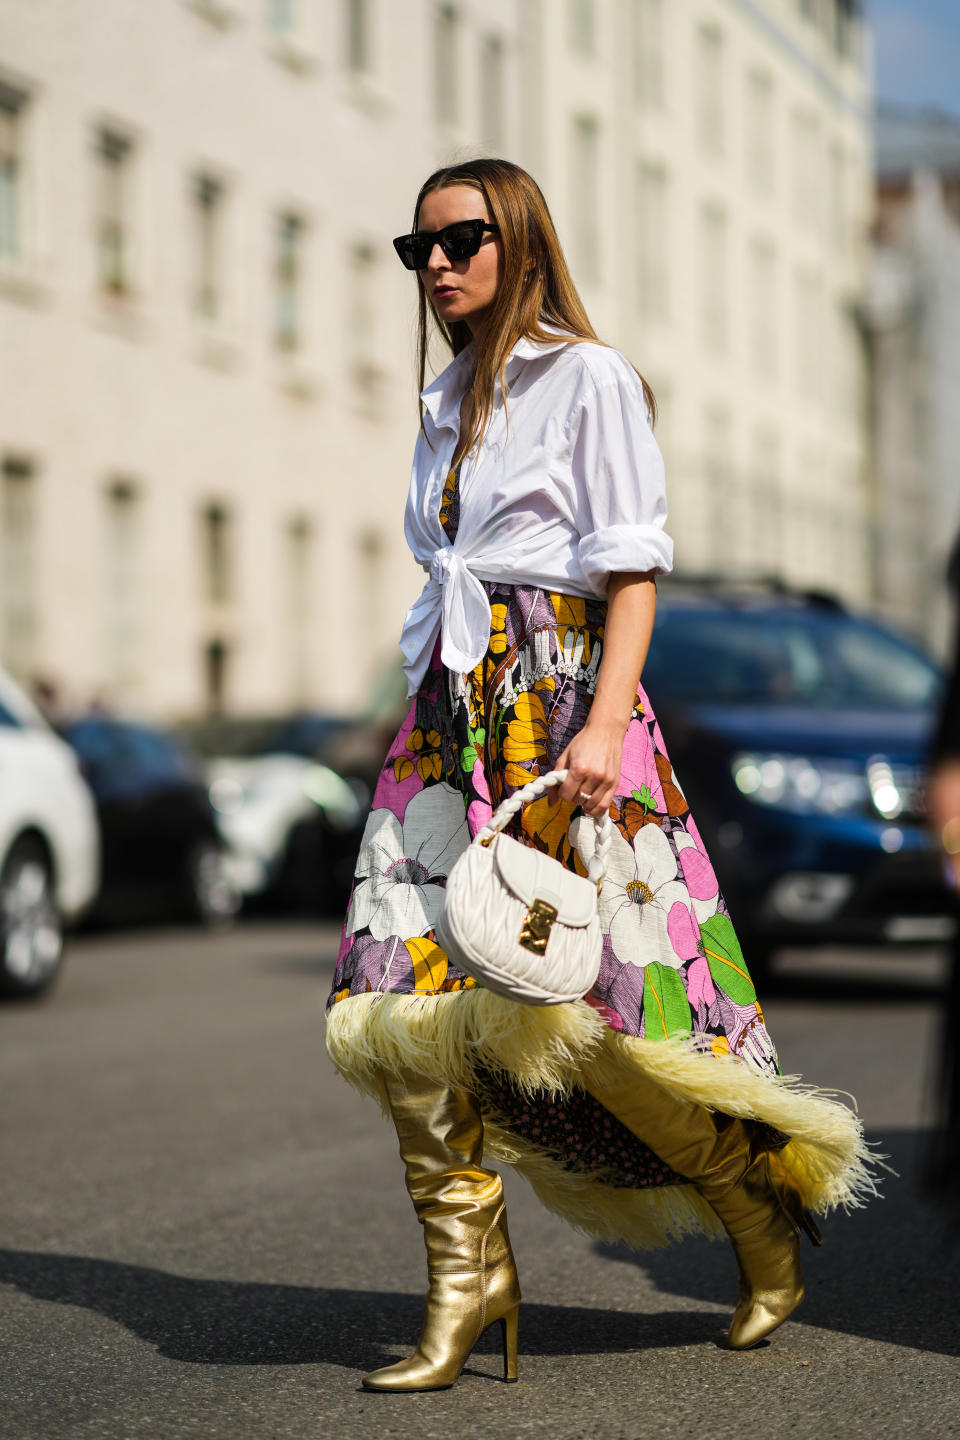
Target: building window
[(807, 169), (809, 333), (491, 92), (584, 190), (363, 289), (713, 277), (759, 131), (582, 26), (114, 212), (838, 197), (710, 106), (298, 565), (216, 664), (766, 502), (122, 573), (648, 54), (445, 75), (12, 164), (284, 16), (359, 38), (763, 299), (718, 475), (19, 586), (208, 289), (288, 331), (217, 553), (652, 242), (370, 578)]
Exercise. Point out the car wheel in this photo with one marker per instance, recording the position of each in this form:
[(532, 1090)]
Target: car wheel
[(31, 931), (212, 896)]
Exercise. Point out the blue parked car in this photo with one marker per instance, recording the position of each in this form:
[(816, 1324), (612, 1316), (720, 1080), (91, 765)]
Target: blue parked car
[(798, 731)]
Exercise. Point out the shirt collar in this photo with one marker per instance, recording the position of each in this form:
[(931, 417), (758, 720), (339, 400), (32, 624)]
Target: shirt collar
[(442, 397)]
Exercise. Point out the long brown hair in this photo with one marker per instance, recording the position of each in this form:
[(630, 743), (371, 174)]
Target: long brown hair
[(525, 298)]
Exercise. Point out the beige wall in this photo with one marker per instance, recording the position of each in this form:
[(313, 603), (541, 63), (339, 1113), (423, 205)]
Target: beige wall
[(94, 391)]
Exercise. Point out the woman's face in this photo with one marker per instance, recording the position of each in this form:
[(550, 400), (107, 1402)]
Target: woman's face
[(460, 289)]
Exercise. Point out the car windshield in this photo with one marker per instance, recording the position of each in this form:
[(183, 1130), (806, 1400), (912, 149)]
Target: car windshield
[(783, 657)]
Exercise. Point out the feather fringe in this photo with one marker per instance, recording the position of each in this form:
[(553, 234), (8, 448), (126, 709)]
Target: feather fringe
[(552, 1049)]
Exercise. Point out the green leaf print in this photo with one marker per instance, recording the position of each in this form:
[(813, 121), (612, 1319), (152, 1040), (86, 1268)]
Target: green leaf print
[(725, 958), (471, 753), (644, 798), (665, 1006)]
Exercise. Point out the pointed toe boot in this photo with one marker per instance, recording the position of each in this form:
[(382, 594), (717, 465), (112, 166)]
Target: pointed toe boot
[(747, 1188), (472, 1276)]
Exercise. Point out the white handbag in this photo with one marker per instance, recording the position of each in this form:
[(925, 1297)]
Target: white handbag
[(518, 921)]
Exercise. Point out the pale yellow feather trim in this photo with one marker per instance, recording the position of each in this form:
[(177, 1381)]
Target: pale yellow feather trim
[(549, 1050), (828, 1157)]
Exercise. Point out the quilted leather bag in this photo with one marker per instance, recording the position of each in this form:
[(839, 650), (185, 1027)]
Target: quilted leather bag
[(518, 921)]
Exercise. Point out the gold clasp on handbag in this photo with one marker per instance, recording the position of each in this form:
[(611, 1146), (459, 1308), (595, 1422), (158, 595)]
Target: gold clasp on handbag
[(536, 926)]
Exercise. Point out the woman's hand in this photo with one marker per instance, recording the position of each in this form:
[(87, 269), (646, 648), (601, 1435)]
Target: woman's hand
[(593, 760), (593, 757)]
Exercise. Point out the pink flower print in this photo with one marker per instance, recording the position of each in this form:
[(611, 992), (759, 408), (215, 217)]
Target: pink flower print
[(700, 990), (698, 874), (637, 765), (683, 930)]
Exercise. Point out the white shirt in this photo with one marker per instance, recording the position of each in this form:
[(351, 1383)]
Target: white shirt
[(566, 490)]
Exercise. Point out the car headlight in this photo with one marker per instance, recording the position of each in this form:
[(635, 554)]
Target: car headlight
[(227, 795), (334, 796), (800, 784)]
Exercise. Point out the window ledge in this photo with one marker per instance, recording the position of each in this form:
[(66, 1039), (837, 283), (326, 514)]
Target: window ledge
[(297, 379), (221, 13), (21, 280), (216, 349), (293, 51), (367, 93), (125, 316)]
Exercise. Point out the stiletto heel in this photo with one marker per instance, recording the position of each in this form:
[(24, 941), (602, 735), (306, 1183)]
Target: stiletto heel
[(508, 1328)]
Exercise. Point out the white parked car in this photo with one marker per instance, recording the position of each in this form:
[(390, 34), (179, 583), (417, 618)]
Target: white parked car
[(49, 844)]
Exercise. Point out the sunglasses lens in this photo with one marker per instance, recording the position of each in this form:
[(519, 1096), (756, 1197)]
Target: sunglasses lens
[(412, 251), (461, 241)]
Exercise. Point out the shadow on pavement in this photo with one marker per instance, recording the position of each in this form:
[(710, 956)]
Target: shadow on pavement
[(889, 1272), (214, 1322)]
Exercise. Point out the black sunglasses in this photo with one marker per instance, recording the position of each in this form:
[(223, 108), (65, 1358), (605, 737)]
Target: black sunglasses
[(458, 242)]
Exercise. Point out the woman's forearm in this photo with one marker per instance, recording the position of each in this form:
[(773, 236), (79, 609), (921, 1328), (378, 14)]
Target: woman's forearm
[(631, 604), (593, 757)]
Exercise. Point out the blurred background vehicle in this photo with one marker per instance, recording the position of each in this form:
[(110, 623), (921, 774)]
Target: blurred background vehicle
[(292, 820), (49, 844), (163, 853), (798, 732)]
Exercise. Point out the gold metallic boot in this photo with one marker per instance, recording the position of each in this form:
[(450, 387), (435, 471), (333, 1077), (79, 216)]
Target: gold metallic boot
[(473, 1279), (748, 1189)]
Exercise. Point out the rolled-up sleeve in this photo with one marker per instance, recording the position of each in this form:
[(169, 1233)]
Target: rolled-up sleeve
[(618, 475)]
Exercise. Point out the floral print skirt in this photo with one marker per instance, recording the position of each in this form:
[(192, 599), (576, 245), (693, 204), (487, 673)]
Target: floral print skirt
[(674, 989)]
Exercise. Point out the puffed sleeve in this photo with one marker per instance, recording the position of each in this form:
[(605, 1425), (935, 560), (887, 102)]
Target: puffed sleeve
[(617, 472)]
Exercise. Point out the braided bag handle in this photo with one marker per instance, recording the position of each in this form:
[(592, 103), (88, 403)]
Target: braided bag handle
[(597, 866)]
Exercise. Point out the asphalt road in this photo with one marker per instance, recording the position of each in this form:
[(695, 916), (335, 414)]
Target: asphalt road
[(205, 1232)]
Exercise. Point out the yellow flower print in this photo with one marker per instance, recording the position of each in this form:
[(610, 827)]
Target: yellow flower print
[(425, 748), (720, 1045), (549, 828), (429, 965), (526, 739), (498, 625), (570, 610)]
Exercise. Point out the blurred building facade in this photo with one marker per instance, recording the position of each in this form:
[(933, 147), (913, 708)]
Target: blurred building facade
[(913, 319), (207, 394)]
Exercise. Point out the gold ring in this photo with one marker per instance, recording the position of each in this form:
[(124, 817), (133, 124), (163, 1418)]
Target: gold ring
[(950, 836)]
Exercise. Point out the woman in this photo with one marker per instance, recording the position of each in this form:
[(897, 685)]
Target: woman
[(654, 1106), (943, 803)]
